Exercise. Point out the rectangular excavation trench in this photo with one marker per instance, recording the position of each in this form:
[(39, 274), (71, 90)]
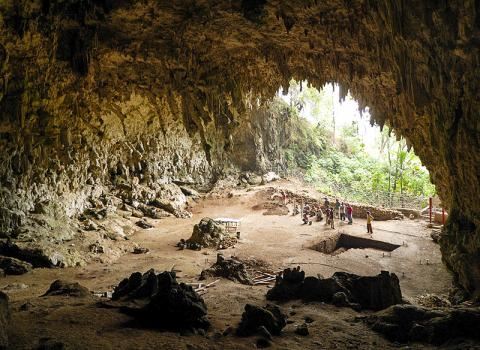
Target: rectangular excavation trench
[(341, 242)]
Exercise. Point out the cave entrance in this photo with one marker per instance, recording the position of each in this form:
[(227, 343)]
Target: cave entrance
[(334, 144), (342, 242)]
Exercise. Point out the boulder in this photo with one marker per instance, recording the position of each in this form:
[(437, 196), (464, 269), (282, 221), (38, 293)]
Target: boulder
[(4, 320), (67, 288), (39, 254), (161, 302), (12, 266), (271, 317), (342, 289), (270, 176), (405, 323), (228, 268), (190, 192), (144, 224), (208, 233), (302, 330)]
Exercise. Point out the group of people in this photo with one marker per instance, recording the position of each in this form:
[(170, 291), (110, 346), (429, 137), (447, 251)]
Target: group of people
[(340, 210)]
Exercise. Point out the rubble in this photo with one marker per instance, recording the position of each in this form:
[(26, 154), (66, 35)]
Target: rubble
[(228, 268), (208, 234), (359, 292), (271, 317), (407, 323), (161, 302), (246, 271)]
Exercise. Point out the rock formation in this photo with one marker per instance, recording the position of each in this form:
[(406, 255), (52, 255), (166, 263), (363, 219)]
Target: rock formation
[(96, 93), (410, 323), (160, 301), (342, 289)]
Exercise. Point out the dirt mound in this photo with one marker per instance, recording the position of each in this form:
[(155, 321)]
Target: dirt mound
[(272, 208), (161, 302), (361, 292), (209, 234)]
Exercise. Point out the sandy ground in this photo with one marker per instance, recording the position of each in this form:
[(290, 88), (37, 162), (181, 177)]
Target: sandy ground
[(280, 240)]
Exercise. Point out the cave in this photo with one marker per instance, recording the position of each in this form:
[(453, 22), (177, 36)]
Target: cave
[(140, 105)]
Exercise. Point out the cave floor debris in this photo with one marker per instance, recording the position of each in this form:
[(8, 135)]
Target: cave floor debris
[(279, 240)]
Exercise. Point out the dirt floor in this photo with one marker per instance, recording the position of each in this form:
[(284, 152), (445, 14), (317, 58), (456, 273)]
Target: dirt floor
[(282, 241)]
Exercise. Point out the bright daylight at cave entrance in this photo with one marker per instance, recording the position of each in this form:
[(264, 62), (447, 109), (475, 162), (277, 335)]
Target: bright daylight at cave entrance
[(243, 174)]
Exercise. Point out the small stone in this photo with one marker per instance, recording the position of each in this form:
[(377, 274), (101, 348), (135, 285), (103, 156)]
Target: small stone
[(302, 330), (140, 250), (308, 319), (143, 224)]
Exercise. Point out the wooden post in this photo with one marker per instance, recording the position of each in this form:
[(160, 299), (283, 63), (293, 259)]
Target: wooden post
[(430, 208), (443, 216)]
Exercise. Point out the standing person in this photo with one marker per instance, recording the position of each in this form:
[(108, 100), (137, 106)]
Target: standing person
[(369, 222), (342, 211), (332, 222), (327, 216), (326, 203), (337, 208), (349, 214)]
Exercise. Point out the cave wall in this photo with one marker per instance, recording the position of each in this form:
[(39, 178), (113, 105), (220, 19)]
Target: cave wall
[(79, 64)]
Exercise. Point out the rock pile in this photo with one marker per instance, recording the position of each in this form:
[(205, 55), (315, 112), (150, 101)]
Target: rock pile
[(231, 269), (255, 320), (162, 302), (405, 323), (342, 289), (208, 234)]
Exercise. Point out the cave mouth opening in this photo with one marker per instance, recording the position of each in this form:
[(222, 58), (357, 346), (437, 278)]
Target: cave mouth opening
[(339, 149), (342, 242)]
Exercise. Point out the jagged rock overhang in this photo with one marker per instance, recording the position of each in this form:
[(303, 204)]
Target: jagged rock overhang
[(415, 64)]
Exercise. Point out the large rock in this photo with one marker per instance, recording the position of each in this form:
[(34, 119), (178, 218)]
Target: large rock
[(67, 288), (254, 317), (161, 302), (13, 266), (228, 268), (208, 233), (405, 323), (367, 292), (4, 320)]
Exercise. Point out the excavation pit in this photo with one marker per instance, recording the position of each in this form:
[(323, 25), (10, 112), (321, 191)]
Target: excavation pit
[(341, 242)]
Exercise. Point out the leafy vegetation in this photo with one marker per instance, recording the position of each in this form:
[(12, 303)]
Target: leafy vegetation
[(335, 158)]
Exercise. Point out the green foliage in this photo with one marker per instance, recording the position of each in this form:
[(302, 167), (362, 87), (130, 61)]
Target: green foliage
[(341, 165)]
